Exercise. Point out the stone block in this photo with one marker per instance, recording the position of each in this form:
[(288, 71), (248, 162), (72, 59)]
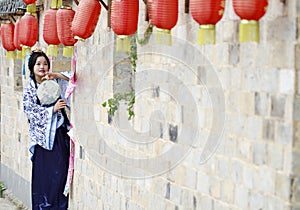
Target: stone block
[(297, 55), (247, 103), (229, 30), (237, 172), (261, 103), (221, 205), (296, 109), (236, 78), (248, 174), (256, 200), (296, 162), (187, 199), (283, 58), (284, 133), (274, 203), (264, 180), (269, 80), (259, 153), (287, 81), (247, 55), (223, 168), (215, 188), (244, 149), (206, 202), (203, 182), (275, 156), (277, 106), (241, 197), (254, 128), (281, 29), (282, 186), (239, 121), (234, 54), (268, 130), (222, 54), (263, 55), (227, 191), (175, 194)]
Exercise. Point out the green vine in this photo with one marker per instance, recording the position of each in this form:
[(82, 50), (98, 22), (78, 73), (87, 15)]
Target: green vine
[(147, 36), (113, 103), (2, 188), (133, 53)]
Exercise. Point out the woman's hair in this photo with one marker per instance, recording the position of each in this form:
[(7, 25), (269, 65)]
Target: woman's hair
[(32, 60)]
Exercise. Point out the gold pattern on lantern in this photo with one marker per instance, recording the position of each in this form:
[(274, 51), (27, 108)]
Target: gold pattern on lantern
[(223, 3), (221, 12)]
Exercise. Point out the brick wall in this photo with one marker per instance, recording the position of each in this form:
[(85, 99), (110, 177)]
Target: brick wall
[(170, 156)]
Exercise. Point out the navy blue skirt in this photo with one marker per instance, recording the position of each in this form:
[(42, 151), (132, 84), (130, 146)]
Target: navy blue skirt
[(49, 174)]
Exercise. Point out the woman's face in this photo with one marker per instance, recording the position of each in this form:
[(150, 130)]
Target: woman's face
[(40, 68)]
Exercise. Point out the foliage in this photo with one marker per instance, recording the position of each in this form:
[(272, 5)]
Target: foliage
[(2, 188), (113, 103)]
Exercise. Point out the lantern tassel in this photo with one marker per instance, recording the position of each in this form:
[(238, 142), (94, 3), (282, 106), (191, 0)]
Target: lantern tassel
[(68, 51), (207, 34), (31, 8), (249, 31), (10, 55), (25, 50), (56, 3), (19, 55), (52, 50), (123, 43), (163, 36)]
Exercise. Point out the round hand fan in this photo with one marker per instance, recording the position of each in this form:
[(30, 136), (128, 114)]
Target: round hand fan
[(48, 92)]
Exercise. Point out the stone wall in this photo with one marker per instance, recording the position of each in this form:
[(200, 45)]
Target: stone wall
[(171, 154)]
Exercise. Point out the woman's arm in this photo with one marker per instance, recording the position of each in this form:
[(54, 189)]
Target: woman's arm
[(55, 75), (35, 112)]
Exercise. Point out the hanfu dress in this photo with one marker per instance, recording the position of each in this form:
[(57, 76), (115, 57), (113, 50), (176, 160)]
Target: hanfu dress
[(49, 148)]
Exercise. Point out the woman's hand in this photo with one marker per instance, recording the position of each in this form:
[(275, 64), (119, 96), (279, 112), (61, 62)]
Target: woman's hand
[(54, 75), (50, 76), (60, 104)]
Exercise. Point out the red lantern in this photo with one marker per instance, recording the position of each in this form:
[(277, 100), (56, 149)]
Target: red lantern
[(124, 16), (163, 13), (86, 18), (29, 1), (64, 18), (7, 36), (250, 12), (17, 42), (50, 32), (207, 13), (29, 28)]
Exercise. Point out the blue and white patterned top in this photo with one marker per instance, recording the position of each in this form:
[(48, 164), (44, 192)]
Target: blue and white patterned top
[(43, 120)]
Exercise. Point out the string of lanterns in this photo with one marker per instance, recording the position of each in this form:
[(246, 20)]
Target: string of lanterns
[(63, 25)]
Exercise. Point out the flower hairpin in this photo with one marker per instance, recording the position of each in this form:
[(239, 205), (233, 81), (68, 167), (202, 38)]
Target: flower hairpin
[(36, 50)]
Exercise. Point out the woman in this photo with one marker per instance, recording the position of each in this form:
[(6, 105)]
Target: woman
[(49, 142)]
